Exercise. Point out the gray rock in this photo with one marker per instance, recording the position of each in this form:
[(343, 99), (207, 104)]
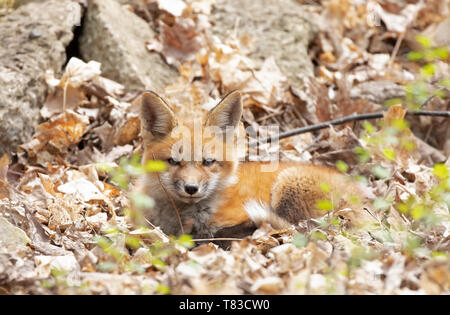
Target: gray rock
[(18, 3), (12, 239), (33, 39), (15, 255), (278, 28), (116, 38), (377, 91)]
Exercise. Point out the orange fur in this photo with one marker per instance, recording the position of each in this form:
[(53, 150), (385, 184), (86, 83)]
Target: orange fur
[(226, 194)]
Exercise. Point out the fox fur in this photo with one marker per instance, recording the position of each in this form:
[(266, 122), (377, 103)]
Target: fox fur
[(215, 195)]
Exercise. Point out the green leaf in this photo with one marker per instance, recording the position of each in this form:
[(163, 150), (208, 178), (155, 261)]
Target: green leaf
[(324, 205), (58, 272), (363, 154), (369, 127), (163, 289), (438, 255), (381, 204), (439, 93), (110, 231), (418, 211), (361, 179), (158, 263), (412, 243), (300, 240), (135, 159), (120, 178), (317, 235), (106, 266), (185, 241), (440, 53), (400, 124), (440, 170), (445, 82), (335, 221), (134, 169), (424, 41), (103, 242), (325, 187), (133, 242), (415, 55), (135, 267), (428, 70), (389, 154), (402, 207), (409, 145), (392, 102), (104, 167), (142, 201), (380, 172), (446, 199), (48, 283), (155, 166)]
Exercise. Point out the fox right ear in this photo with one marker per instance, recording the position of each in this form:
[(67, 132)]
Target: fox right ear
[(227, 113), (157, 119)]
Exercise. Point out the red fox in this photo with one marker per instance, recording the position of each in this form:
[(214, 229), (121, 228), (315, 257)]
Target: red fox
[(214, 194)]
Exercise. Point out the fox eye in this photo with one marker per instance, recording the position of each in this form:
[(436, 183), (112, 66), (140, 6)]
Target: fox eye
[(208, 162), (173, 162)]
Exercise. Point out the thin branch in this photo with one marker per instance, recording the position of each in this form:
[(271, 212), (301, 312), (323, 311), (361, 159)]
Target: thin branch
[(395, 51), (171, 201), (217, 239), (343, 120)]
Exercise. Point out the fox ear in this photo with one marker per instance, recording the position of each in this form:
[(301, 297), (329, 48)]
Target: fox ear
[(227, 113), (157, 118)]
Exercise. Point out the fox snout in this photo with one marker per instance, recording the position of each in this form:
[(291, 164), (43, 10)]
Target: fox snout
[(191, 189), (187, 183)]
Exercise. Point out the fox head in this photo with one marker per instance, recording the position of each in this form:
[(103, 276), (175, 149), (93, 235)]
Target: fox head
[(201, 154)]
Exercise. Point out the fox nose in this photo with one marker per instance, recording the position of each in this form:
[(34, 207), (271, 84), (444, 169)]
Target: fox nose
[(191, 188)]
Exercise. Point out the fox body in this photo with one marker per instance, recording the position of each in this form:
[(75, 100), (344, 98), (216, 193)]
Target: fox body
[(213, 193)]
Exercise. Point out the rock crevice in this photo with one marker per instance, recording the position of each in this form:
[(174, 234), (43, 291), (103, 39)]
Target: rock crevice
[(33, 39)]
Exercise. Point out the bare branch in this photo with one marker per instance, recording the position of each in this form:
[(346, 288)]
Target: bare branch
[(354, 117)]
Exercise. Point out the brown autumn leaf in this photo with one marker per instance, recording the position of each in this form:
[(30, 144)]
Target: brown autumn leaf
[(106, 134), (54, 104), (129, 131), (4, 164), (60, 132)]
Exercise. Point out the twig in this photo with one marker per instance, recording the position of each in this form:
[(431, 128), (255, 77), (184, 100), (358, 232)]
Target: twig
[(171, 201), (149, 223), (217, 239), (395, 51), (65, 96), (268, 116), (314, 142), (346, 119)]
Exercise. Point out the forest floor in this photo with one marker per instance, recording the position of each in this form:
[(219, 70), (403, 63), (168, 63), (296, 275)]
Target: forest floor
[(64, 194)]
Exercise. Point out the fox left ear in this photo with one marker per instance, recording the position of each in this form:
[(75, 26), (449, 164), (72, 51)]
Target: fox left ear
[(227, 113), (157, 118)]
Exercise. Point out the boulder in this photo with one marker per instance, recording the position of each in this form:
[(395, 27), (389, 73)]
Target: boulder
[(277, 28), (116, 37), (33, 39), (12, 239)]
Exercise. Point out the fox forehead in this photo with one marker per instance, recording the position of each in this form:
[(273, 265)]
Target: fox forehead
[(202, 143), (166, 135)]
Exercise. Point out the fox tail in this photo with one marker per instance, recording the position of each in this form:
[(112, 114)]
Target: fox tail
[(259, 213)]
